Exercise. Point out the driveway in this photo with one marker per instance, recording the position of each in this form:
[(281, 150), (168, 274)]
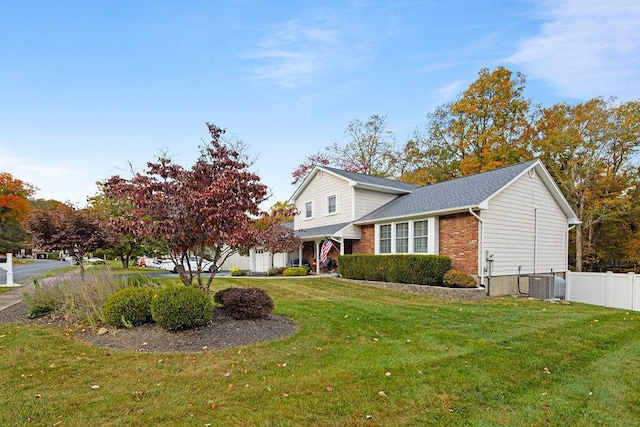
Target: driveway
[(23, 272)]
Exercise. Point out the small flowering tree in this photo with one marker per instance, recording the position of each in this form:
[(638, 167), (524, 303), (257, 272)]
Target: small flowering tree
[(207, 210), (78, 231), (273, 233)]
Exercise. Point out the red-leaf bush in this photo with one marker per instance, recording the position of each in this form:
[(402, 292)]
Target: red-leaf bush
[(244, 303)]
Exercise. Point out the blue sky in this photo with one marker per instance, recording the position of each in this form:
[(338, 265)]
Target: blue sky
[(88, 86)]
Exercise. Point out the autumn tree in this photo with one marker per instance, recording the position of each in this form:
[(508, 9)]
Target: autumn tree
[(485, 128), (206, 210), (275, 229), (64, 227), (116, 216), (14, 210), (370, 148), (588, 148)]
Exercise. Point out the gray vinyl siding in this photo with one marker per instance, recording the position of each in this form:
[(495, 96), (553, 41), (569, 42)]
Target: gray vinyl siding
[(367, 201), (317, 191), (510, 229)]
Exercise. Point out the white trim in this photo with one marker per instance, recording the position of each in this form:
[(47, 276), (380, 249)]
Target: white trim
[(326, 208), (305, 217), (350, 182), (432, 236)]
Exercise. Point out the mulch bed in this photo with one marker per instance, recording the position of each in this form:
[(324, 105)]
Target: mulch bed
[(222, 332)]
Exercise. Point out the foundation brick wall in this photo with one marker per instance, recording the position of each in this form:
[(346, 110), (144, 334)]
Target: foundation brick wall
[(366, 244), (459, 241)]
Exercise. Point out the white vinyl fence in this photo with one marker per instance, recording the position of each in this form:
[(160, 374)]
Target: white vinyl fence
[(8, 266), (616, 290)]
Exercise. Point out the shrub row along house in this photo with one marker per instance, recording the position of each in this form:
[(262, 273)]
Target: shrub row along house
[(499, 226)]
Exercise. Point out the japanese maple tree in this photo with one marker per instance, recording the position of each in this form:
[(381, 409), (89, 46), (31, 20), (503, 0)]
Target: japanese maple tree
[(78, 231), (207, 210)]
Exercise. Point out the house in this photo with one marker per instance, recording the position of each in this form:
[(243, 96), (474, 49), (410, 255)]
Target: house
[(499, 226)]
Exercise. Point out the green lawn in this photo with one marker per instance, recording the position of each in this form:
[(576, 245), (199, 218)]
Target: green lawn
[(363, 356)]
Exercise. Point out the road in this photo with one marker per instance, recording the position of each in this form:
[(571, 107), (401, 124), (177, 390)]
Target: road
[(22, 272)]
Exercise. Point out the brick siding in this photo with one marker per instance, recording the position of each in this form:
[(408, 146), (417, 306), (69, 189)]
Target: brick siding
[(366, 244), (459, 241)]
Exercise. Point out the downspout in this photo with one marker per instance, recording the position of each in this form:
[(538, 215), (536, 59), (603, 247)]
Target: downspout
[(482, 258), (535, 240)]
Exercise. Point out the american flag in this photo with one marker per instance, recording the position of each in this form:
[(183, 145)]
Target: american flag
[(324, 251)]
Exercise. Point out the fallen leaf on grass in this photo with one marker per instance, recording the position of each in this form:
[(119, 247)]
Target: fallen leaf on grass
[(546, 371)]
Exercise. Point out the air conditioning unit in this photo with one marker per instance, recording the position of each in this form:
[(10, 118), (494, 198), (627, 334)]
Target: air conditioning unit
[(542, 286)]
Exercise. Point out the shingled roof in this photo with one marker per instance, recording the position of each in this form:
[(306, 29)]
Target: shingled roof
[(450, 196), (359, 180), (372, 181)]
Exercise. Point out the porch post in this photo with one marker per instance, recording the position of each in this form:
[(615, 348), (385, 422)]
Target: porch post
[(318, 247)]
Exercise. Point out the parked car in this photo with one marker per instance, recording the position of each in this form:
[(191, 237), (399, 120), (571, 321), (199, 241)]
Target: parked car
[(71, 259), (149, 262), (207, 265)]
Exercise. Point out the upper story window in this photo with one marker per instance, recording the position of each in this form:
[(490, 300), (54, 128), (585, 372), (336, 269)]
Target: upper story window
[(308, 210), (332, 204), (385, 239), (420, 237)]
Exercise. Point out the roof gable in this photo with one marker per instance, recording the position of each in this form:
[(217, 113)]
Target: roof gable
[(358, 180)]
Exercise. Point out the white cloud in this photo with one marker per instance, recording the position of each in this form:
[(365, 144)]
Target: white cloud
[(61, 182), (295, 53), (449, 92), (588, 48)]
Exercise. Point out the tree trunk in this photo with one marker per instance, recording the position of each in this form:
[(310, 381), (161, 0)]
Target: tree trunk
[(579, 247)]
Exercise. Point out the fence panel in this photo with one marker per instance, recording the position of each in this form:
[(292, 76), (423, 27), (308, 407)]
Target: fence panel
[(616, 290)]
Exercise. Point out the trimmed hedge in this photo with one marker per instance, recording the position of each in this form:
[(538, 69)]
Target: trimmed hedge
[(181, 307), (295, 271), (128, 307), (244, 303), (414, 269)]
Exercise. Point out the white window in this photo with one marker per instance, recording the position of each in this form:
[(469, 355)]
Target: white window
[(402, 238), (308, 210), (408, 237), (421, 236), (385, 239), (332, 204)]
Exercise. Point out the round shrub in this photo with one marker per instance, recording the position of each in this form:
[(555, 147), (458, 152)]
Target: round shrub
[(295, 271), (128, 307), (244, 303), (181, 307), (459, 279)]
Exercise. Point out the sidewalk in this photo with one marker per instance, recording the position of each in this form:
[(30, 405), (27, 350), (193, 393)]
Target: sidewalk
[(14, 296)]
